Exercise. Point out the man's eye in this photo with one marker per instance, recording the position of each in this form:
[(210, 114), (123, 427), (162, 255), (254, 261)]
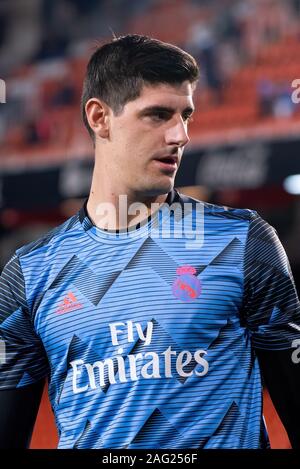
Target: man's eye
[(160, 116)]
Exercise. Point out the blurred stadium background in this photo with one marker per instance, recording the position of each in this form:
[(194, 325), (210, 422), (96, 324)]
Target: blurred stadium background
[(245, 134)]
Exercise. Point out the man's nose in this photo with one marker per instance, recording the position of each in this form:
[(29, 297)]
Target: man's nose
[(177, 133)]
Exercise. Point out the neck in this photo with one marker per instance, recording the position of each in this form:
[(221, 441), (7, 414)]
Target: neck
[(117, 208)]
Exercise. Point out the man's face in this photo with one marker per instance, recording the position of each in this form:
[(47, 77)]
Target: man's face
[(146, 141)]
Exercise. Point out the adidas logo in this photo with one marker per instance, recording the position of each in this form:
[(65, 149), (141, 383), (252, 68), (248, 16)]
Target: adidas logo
[(68, 304)]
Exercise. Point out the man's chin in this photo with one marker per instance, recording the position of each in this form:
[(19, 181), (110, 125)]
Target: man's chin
[(160, 189)]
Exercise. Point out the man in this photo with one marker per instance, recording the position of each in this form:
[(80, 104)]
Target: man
[(149, 321)]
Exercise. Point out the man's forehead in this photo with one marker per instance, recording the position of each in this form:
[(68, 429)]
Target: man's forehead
[(165, 94)]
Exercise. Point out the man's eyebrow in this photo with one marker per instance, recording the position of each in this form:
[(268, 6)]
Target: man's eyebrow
[(153, 109)]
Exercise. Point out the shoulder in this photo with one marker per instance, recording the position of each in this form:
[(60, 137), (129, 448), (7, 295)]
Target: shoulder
[(260, 234), (220, 210), (51, 239)]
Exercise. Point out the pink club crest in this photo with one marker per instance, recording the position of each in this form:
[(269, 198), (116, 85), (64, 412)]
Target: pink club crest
[(186, 287)]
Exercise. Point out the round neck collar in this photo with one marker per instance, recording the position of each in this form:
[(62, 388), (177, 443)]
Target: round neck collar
[(141, 230)]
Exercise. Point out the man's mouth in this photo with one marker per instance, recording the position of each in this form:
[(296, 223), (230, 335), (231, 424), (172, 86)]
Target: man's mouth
[(169, 163)]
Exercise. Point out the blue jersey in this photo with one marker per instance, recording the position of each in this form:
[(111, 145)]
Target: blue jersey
[(149, 336)]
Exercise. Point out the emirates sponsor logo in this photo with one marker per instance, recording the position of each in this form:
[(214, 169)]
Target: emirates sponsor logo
[(122, 367)]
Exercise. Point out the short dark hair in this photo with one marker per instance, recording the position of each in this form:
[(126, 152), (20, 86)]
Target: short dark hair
[(118, 70)]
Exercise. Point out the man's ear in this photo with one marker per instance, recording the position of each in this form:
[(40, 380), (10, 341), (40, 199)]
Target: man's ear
[(97, 114)]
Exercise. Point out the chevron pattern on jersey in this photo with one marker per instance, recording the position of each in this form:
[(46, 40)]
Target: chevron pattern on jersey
[(133, 362), (157, 432), (231, 254), (82, 276), (89, 438), (244, 362), (155, 257)]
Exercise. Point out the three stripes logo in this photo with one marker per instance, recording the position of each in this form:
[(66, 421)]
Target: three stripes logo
[(68, 304)]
